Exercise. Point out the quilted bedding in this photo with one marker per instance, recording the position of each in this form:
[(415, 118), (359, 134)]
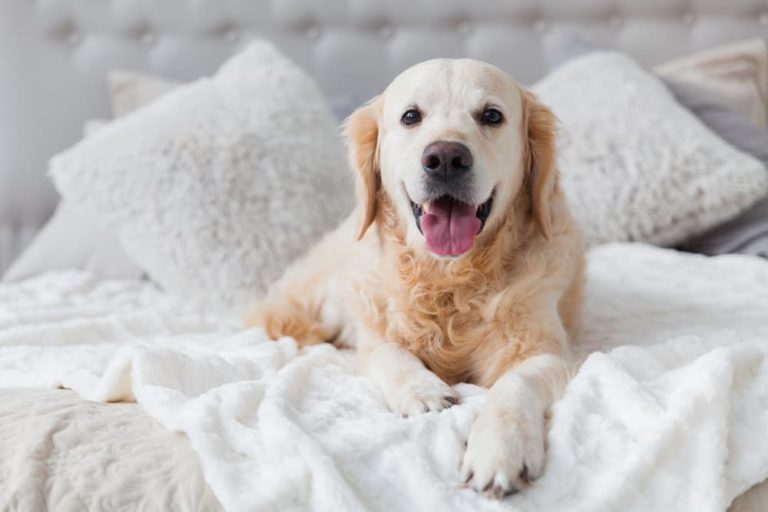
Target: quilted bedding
[(59, 452), (670, 413)]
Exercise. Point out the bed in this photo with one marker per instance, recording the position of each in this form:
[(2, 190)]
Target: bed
[(116, 396)]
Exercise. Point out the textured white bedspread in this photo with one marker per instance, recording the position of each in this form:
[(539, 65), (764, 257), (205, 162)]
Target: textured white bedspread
[(675, 418)]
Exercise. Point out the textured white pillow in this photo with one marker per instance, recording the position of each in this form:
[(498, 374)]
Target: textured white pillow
[(217, 186), (635, 165)]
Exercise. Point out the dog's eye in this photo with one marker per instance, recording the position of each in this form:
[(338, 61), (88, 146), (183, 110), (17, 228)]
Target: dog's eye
[(411, 117), (491, 116)]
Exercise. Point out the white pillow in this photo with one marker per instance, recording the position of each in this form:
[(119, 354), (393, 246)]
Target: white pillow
[(735, 73), (635, 165), (217, 186), (132, 90), (74, 238)]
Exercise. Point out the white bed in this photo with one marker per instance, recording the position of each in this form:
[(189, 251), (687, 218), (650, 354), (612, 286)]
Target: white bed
[(675, 417)]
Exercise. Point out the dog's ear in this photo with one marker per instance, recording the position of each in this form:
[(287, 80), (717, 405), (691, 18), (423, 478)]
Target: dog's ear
[(539, 131), (362, 134)]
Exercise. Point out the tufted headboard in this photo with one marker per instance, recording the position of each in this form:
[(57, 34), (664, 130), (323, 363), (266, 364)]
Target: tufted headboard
[(54, 55)]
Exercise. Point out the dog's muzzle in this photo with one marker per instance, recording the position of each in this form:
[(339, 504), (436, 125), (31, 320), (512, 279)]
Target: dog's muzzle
[(449, 219)]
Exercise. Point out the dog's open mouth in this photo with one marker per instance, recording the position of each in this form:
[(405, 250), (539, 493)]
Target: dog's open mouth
[(449, 225)]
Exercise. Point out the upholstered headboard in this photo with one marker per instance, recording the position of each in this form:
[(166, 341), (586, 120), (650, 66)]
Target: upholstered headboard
[(54, 55)]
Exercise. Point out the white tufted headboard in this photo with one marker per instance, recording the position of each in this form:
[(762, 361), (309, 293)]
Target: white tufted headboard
[(54, 55)]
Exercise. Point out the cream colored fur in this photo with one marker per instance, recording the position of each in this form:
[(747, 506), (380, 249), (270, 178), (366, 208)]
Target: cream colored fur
[(499, 315)]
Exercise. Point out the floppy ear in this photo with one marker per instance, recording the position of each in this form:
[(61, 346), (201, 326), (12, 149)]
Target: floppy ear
[(362, 133), (539, 129)]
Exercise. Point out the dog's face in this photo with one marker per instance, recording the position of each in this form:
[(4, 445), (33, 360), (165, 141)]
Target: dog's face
[(451, 143)]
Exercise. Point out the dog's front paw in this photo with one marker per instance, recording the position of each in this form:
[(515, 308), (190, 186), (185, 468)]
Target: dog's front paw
[(504, 454), (421, 393)]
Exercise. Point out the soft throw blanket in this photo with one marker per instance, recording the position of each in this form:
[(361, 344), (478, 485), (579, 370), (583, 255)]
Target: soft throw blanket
[(673, 418)]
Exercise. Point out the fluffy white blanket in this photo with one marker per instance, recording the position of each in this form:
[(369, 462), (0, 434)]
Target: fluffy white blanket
[(672, 414)]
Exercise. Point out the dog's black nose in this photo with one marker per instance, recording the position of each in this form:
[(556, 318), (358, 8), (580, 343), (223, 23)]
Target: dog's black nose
[(446, 159)]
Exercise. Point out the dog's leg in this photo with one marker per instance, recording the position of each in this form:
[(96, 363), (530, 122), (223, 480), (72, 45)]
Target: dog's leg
[(284, 315), (306, 303), (506, 445), (408, 386)]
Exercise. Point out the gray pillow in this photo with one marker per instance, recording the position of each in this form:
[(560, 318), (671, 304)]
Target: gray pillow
[(748, 232), (729, 125)]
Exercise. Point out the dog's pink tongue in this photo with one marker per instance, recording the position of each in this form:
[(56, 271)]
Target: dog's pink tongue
[(450, 227)]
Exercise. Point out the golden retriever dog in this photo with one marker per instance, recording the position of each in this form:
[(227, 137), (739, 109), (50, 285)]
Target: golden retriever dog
[(460, 262)]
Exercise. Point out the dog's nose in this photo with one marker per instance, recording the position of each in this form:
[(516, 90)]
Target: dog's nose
[(446, 159)]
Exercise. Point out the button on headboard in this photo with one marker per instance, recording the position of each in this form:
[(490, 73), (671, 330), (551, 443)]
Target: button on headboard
[(54, 55)]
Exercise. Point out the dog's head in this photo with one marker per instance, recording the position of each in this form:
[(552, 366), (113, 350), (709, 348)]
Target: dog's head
[(452, 144)]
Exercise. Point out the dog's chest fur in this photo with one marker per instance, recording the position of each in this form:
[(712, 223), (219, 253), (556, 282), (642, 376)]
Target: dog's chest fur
[(449, 319)]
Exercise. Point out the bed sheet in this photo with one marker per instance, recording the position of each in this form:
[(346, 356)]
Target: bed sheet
[(667, 412)]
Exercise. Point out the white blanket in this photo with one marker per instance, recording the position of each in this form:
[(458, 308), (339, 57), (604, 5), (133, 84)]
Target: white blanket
[(675, 418)]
